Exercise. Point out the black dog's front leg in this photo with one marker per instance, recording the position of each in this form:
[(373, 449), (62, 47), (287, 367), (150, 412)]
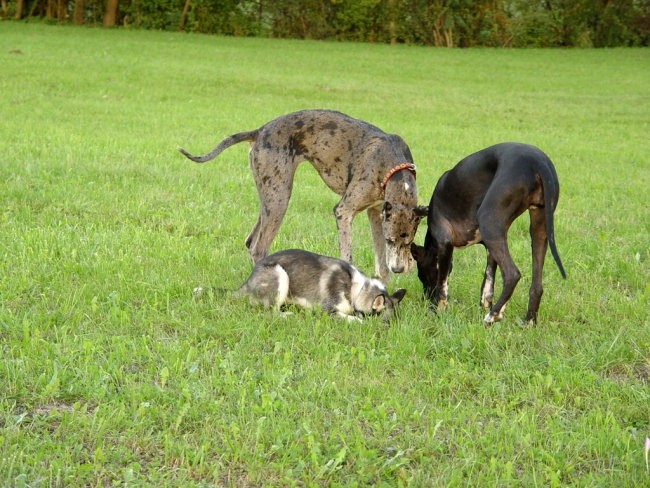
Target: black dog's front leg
[(440, 297)]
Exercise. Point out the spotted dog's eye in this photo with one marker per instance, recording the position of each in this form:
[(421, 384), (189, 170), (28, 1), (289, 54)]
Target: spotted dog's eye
[(403, 235)]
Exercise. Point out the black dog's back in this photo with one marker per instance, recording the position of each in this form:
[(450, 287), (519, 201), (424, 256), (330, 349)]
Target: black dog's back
[(464, 189), (542, 167)]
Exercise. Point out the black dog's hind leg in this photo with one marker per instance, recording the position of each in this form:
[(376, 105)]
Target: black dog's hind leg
[(539, 244), (487, 287), (510, 276)]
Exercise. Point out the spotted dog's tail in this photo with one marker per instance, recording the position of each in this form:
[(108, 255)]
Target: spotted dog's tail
[(225, 144), (551, 195)]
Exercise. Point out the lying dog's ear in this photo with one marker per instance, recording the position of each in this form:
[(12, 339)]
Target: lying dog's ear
[(378, 303), (398, 295)]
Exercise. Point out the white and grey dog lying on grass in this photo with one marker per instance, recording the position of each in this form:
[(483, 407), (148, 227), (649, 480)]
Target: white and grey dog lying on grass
[(306, 279)]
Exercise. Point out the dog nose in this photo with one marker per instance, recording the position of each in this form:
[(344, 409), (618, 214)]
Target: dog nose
[(397, 269)]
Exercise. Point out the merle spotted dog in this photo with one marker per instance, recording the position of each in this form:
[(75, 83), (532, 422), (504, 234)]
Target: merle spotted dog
[(369, 169)]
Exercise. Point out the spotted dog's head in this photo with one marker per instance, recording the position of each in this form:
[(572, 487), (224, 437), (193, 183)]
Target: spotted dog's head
[(399, 225)]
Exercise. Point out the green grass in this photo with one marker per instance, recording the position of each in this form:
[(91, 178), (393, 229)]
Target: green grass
[(113, 372)]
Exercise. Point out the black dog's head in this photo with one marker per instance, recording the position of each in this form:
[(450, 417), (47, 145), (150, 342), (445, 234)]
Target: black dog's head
[(427, 264)]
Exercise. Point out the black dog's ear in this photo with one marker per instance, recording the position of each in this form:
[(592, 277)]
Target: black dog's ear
[(398, 295), (417, 252), (421, 211)]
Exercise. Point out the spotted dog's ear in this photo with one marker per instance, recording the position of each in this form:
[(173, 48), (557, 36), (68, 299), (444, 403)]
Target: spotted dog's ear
[(385, 210)]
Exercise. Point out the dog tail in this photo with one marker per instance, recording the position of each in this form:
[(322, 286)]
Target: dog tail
[(551, 195), (226, 143)]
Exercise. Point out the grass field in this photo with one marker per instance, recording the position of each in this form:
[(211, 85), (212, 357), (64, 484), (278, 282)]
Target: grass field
[(113, 373)]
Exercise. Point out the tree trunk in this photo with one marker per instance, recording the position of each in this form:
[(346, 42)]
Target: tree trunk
[(19, 10), (79, 15), (391, 22), (110, 13), (35, 5), (51, 9), (186, 8), (61, 10)]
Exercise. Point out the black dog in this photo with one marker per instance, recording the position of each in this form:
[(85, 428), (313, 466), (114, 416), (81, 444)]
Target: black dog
[(476, 201)]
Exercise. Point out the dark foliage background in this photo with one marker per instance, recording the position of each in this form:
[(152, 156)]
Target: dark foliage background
[(464, 23)]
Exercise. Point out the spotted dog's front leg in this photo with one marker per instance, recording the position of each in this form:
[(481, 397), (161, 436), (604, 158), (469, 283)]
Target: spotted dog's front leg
[(379, 243), (344, 216)]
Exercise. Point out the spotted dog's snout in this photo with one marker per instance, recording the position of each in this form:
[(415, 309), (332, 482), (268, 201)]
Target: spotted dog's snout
[(399, 259)]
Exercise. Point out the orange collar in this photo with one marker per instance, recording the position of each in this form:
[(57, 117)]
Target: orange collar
[(396, 169)]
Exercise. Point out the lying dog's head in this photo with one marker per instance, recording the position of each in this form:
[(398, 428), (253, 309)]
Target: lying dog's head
[(399, 225), (427, 264), (373, 299)]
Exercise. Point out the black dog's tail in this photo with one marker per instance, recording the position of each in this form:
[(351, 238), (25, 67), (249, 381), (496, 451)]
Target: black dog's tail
[(551, 194), (226, 143)]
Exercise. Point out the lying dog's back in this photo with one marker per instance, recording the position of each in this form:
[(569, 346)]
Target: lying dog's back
[(306, 279)]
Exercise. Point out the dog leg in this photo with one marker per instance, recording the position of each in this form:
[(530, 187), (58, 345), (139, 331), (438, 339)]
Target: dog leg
[(441, 295), (349, 318), (252, 236), (267, 286), (270, 218), (539, 244), (487, 287), (274, 181), (381, 268), (510, 275), (344, 214), (495, 215)]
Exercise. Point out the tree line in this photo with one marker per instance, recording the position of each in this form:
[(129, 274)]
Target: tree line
[(463, 23)]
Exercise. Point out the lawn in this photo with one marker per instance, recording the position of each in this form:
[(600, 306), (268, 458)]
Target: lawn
[(114, 372)]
